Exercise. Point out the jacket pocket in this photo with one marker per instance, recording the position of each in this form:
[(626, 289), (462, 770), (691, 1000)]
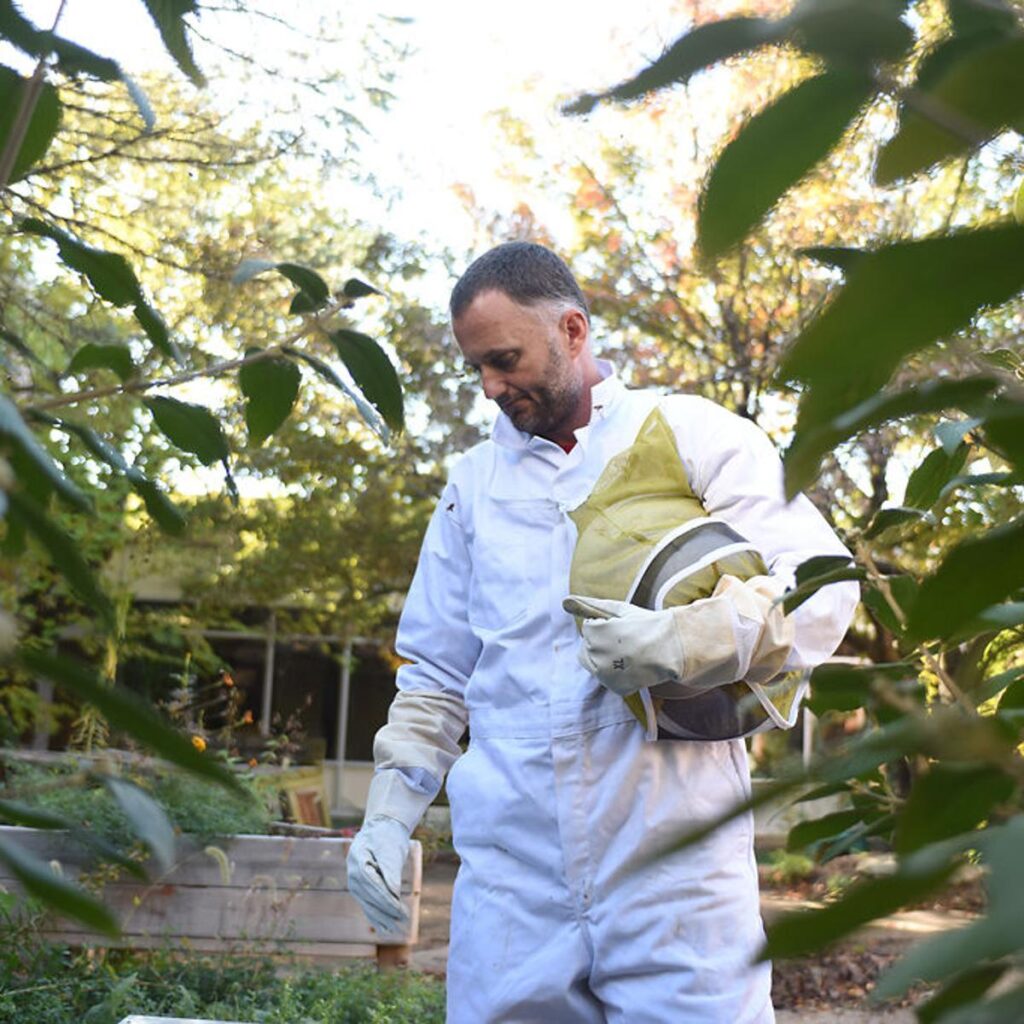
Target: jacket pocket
[(511, 562)]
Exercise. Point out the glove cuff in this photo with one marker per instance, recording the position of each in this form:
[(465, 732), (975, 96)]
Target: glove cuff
[(391, 797)]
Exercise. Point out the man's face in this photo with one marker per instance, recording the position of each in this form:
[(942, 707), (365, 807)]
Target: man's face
[(526, 358)]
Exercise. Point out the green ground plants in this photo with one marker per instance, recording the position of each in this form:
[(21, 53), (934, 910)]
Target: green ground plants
[(48, 985)]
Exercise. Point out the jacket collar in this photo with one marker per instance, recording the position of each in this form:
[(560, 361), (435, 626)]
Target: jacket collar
[(603, 397)]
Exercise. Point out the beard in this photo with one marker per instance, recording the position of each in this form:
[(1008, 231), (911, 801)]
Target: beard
[(544, 409)]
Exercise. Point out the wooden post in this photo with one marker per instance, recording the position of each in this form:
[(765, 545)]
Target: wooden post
[(390, 958)]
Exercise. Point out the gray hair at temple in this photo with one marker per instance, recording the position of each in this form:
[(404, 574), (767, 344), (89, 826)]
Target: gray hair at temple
[(526, 272)]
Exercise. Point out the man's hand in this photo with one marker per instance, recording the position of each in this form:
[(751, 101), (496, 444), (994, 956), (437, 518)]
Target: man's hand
[(740, 632), (626, 647), (375, 861)]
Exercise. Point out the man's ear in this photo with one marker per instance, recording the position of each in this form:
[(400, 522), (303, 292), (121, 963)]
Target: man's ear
[(576, 329)]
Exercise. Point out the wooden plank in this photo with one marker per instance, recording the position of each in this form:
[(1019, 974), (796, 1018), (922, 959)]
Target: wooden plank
[(279, 905), (313, 862), (229, 913)]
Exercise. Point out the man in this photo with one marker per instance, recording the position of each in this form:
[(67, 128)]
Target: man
[(559, 912)]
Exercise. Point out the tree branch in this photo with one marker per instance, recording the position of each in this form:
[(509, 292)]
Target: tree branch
[(215, 370)]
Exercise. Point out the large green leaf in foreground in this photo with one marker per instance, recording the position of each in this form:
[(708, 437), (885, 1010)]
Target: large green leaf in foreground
[(897, 301)]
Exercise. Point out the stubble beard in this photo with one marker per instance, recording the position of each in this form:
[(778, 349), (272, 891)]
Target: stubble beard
[(549, 406)]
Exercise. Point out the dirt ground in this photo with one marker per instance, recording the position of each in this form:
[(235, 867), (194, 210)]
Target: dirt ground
[(836, 983)]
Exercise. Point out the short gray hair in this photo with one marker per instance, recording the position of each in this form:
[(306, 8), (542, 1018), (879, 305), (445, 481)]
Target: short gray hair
[(526, 272)]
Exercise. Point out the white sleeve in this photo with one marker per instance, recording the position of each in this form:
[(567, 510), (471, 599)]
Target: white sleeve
[(420, 742), (736, 472)]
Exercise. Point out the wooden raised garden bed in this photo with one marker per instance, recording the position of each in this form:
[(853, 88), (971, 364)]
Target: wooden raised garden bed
[(241, 894)]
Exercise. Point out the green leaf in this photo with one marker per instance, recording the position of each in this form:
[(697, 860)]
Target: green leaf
[(982, 17), (64, 553), (156, 330), (952, 433), (169, 17), (822, 429), (888, 518), (929, 478), (850, 31), (783, 142), (18, 438), (1011, 704), (27, 816), (302, 303), (948, 800), (819, 565), (993, 936), (105, 357), (1008, 1006), (140, 100), (270, 387), (109, 273), (976, 574), (839, 688), (165, 513), (802, 933), (372, 371), (356, 289), (904, 592), (840, 257), (146, 817), (40, 881), (72, 59), (704, 46), (983, 90), (367, 411), (192, 428), (128, 713), (42, 126), (1004, 429), (848, 353), (307, 280), (313, 290), (809, 833), (994, 685), (17, 813), (998, 617), (796, 597), (820, 792), (248, 269), (966, 987), (160, 507)]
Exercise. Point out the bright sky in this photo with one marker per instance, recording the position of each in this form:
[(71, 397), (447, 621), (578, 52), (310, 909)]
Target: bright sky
[(469, 59)]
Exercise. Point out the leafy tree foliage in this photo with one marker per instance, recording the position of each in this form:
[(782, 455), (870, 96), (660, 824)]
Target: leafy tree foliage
[(166, 306), (905, 335)]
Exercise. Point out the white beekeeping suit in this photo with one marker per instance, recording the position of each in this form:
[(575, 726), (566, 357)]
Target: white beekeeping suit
[(559, 800)]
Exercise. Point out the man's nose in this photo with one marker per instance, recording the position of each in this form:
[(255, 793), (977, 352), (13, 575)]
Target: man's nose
[(492, 381)]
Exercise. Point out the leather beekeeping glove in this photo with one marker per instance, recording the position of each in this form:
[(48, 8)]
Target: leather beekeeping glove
[(737, 633), (375, 861), (626, 647)]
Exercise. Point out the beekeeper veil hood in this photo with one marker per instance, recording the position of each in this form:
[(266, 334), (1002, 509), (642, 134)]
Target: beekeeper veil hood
[(644, 538)]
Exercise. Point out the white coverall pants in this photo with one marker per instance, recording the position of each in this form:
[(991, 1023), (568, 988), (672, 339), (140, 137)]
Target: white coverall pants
[(559, 800), (556, 919)]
